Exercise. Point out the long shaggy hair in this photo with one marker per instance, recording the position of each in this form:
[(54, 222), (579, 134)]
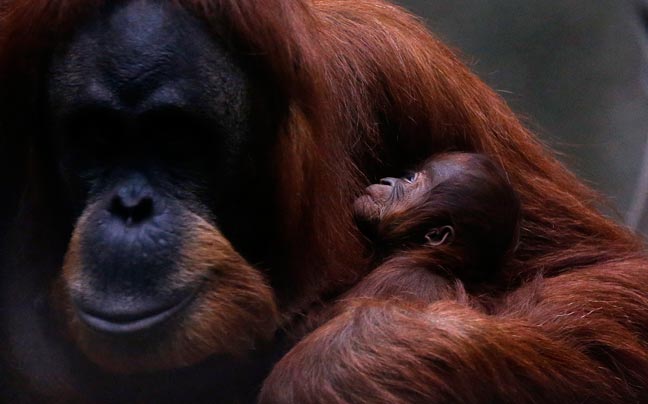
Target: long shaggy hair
[(369, 91)]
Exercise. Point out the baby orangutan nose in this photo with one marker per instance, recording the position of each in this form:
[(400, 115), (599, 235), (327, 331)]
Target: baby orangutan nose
[(390, 181)]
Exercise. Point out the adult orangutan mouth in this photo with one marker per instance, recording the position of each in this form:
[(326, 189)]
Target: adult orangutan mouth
[(130, 322)]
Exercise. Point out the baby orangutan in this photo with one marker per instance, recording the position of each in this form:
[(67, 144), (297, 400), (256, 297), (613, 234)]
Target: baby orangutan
[(456, 218)]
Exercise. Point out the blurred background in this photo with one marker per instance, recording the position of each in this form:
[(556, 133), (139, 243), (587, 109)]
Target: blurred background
[(576, 71)]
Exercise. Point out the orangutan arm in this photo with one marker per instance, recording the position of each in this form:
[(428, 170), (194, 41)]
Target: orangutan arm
[(578, 337), (400, 277)]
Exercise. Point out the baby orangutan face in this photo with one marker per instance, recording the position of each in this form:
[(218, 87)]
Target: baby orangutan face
[(396, 206), (460, 197), (397, 195), (392, 193)]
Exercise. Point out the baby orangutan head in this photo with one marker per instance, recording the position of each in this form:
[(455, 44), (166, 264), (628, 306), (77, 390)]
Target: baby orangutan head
[(457, 210)]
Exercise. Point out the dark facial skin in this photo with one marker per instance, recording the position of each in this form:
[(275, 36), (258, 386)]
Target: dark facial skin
[(158, 138), (458, 205), (144, 101), (131, 120)]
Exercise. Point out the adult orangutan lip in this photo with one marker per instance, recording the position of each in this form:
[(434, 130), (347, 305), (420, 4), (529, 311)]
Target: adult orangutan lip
[(129, 323)]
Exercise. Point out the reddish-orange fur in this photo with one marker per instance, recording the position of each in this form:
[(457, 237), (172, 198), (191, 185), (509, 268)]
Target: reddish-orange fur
[(367, 90), (235, 297), (456, 216)]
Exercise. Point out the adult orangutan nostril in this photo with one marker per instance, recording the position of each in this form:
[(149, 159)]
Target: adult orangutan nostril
[(132, 211)]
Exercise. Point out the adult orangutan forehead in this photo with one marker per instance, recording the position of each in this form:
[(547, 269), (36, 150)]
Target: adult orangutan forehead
[(144, 55)]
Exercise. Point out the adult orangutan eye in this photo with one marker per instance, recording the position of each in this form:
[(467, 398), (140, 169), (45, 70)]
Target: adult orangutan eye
[(410, 177), (441, 235)]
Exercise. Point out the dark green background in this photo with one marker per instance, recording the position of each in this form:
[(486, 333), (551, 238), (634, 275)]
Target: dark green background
[(571, 68)]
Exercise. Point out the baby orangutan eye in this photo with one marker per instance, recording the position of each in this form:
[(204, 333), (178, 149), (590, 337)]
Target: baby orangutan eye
[(410, 177), (440, 235)]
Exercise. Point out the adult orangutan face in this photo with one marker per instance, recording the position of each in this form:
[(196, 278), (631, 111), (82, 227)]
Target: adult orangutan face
[(155, 139)]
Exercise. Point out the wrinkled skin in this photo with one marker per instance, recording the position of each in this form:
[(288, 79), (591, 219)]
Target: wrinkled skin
[(157, 137)]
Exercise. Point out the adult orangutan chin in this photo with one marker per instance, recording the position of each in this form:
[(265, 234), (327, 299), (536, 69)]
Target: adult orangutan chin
[(179, 182)]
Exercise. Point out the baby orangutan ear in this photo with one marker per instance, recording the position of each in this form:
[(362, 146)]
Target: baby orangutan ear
[(440, 235)]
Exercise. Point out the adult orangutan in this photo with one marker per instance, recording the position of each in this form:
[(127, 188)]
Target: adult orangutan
[(149, 142)]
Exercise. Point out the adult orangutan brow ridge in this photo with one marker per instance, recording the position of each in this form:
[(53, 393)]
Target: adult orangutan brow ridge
[(180, 178)]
